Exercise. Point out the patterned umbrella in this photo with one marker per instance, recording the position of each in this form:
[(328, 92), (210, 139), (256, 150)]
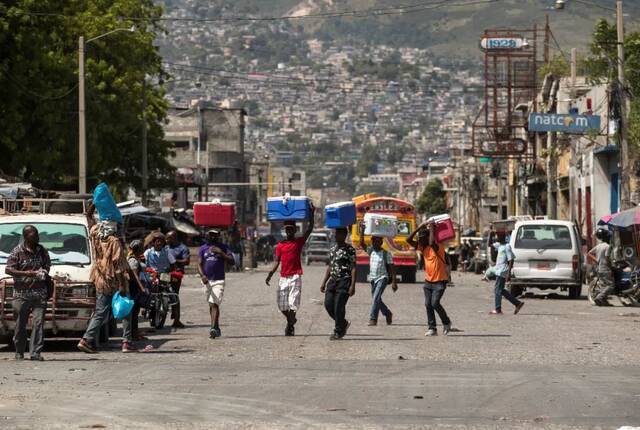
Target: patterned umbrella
[(606, 219), (626, 218)]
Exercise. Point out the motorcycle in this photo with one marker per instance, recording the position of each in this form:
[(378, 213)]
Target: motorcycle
[(163, 296), (627, 286)]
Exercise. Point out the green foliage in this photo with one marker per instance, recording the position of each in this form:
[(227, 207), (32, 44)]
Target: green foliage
[(432, 201), (39, 96), (558, 67), (603, 67), (368, 161)]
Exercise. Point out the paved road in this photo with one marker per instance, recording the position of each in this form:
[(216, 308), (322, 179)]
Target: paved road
[(560, 363)]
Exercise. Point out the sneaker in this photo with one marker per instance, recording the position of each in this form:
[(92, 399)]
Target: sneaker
[(446, 329), (290, 331), (334, 337), (19, 356), (212, 333), (128, 347), (217, 331), (389, 318), (495, 312), (431, 332), (37, 357), (84, 346), (520, 305), (372, 322), (346, 328)]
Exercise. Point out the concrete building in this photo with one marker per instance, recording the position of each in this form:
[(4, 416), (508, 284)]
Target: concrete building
[(208, 145)]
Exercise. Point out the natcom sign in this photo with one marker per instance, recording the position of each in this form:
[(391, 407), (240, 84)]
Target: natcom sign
[(570, 124)]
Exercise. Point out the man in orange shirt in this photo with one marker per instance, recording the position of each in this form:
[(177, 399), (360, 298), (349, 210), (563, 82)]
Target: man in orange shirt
[(436, 275)]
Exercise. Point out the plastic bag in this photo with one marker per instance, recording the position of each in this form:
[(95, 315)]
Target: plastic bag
[(121, 306), (105, 204)]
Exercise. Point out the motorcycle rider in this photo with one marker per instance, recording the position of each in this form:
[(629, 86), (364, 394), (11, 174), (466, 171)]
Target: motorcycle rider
[(600, 255)]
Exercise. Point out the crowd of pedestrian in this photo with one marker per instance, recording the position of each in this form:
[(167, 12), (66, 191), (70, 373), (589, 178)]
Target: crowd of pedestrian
[(126, 271)]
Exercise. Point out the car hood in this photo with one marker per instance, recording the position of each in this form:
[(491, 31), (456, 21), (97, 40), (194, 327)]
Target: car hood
[(72, 273)]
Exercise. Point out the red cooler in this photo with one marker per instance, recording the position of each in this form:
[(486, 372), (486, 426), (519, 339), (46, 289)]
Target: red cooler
[(444, 228), (214, 214)]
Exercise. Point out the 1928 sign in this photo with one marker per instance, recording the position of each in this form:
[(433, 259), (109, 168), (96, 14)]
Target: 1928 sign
[(490, 43)]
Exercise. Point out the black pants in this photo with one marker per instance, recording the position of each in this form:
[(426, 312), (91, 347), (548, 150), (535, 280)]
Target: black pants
[(433, 292), (335, 302), (22, 307)]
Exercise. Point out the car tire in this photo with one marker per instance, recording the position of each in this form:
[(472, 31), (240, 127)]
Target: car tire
[(515, 290), (477, 269), (409, 276), (575, 292)]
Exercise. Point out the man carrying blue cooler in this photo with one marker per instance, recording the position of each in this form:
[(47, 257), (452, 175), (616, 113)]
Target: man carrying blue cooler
[(289, 252)]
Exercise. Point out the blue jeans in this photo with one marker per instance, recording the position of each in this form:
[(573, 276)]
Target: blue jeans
[(433, 292), (501, 291), (377, 288), (101, 316)]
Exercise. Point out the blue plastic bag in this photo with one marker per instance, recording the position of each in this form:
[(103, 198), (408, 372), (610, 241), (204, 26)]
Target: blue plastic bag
[(121, 306), (105, 205)]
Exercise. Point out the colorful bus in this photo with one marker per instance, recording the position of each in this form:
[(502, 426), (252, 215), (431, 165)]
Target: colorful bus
[(404, 256)]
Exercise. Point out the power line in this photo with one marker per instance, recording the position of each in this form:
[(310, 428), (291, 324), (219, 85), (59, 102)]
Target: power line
[(34, 94), (362, 13)]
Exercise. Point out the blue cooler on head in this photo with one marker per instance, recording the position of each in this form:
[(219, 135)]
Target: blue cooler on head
[(288, 208), (339, 215)]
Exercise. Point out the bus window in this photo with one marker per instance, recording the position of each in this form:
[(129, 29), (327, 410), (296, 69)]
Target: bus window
[(404, 228)]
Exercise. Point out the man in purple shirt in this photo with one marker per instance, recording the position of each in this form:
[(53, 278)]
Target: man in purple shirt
[(211, 265)]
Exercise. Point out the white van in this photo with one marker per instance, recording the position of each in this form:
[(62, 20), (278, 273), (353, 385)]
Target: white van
[(547, 256)]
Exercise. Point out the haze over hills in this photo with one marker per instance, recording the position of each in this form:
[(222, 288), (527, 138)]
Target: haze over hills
[(450, 27)]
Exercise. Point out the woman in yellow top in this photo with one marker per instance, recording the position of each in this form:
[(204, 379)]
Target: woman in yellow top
[(436, 275)]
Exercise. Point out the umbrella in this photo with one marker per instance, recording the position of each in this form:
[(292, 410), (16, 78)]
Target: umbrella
[(626, 218), (606, 219)]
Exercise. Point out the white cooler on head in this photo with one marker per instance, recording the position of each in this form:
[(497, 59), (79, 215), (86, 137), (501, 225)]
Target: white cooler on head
[(380, 225)]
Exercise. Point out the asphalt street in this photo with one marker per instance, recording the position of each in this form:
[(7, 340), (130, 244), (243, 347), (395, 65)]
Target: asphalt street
[(558, 364)]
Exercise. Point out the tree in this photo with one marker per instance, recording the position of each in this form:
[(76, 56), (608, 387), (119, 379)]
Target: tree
[(433, 199), (39, 96)]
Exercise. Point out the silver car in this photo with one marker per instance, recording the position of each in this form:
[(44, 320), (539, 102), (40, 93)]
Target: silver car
[(547, 256)]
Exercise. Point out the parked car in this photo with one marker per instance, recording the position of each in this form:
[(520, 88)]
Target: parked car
[(547, 256), (65, 236), (317, 248)]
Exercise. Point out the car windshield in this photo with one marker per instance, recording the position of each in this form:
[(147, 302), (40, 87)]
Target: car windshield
[(66, 243), (543, 237)]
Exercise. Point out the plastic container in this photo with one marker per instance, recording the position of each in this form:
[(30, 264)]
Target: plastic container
[(105, 204), (444, 228), (288, 208), (214, 214), (380, 225), (341, 214)]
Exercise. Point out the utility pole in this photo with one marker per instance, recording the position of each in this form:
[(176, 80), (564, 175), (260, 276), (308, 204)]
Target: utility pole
[(145, 161), (82, 133), (624, 149), (572, 160)]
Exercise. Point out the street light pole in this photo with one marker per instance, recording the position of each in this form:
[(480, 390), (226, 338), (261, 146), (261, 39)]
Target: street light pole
[(82, 130), (82, 133)]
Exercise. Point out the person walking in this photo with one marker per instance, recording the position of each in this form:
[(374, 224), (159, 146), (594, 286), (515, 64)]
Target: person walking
[(182, 256), (211, 266), (137, 284), (600, 255), (381, 272), (339, 282), (288, 252), (504, 264), (29, 264), (110, 272), (436, 275)]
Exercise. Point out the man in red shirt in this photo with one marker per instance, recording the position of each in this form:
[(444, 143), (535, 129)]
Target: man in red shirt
[(288, 252)]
